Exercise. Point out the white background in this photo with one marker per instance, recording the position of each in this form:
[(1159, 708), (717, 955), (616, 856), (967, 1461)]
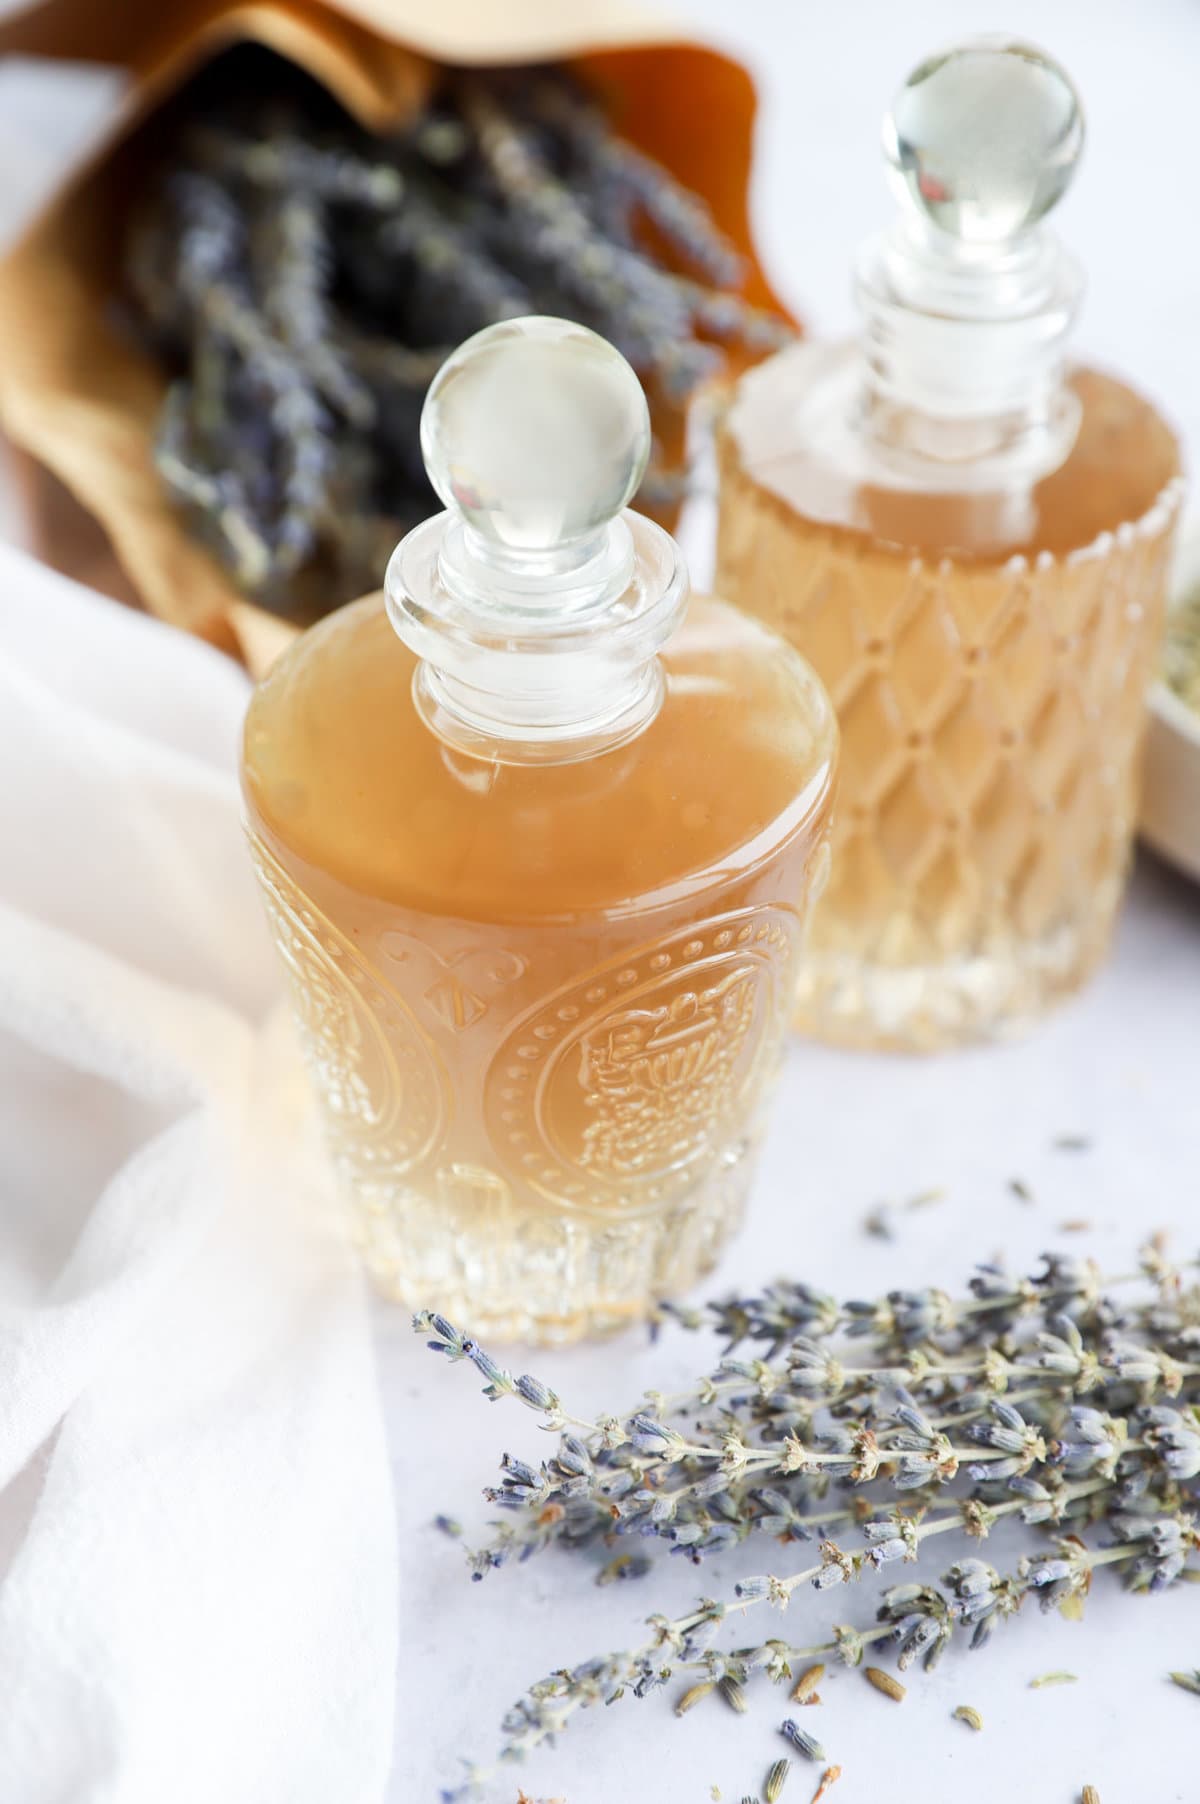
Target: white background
[(1120, 1065)]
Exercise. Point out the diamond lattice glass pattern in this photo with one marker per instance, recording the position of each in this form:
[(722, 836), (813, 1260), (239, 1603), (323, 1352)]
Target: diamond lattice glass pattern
[(991, 715)]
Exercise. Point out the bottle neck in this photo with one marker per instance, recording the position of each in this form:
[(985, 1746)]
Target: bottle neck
[(543, 659), (965, 349)]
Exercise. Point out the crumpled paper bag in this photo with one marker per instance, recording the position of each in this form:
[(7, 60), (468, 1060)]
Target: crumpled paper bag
[(84, 401)]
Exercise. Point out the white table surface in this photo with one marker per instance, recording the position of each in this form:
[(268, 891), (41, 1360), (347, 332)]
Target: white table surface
[(1121, 1065)]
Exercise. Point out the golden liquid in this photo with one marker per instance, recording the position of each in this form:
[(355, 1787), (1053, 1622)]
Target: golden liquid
[(988, 657), (543, 1002)]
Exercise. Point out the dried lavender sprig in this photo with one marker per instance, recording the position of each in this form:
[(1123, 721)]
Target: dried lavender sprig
[(794, 1316), (209, 283), (694, 1521), (653, 327), (688, 1636), (219, 494), (289, 163), (638, 1484), (908, 1319), (919, 1618), (732, 320), (445, 247), (685, 220), (381, 360), (819, 1378), (295, 286)]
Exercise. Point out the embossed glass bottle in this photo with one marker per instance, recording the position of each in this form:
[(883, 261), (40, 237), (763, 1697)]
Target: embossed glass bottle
[(968, 539), (537, 857)]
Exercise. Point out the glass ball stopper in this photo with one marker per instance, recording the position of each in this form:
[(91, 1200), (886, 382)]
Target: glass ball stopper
[(983, 139), (536, 433)]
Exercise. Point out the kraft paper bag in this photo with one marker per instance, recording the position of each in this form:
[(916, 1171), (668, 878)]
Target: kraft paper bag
[(82, 400)]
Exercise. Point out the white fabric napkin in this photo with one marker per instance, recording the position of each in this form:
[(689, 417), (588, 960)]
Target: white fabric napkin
[(198, 1593)]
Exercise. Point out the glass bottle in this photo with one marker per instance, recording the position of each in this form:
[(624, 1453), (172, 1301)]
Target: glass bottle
[(968, 539), (536, 854)]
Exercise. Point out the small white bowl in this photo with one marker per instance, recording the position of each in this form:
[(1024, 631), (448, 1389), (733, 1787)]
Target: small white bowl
[(1170, 815)]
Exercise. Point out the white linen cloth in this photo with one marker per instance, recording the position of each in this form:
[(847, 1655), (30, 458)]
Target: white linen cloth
[(200, 1595)]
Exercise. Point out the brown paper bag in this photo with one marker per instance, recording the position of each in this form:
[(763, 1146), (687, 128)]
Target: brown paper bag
[(84, 402)]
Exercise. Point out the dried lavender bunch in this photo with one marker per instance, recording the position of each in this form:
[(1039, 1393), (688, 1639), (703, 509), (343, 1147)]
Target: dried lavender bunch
[(1021, 1383), (304, 279), (1056, 1400)]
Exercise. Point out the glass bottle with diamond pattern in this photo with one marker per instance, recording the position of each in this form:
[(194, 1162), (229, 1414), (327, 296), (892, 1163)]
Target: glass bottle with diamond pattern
[(537, 852), (968, 537)]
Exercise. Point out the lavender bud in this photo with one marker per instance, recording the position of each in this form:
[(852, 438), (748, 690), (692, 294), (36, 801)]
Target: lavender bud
[(805, 1744), (536, 1394)]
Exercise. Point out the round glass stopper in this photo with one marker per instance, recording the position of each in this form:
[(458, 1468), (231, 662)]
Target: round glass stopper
[(982, 140), (536, 432)]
